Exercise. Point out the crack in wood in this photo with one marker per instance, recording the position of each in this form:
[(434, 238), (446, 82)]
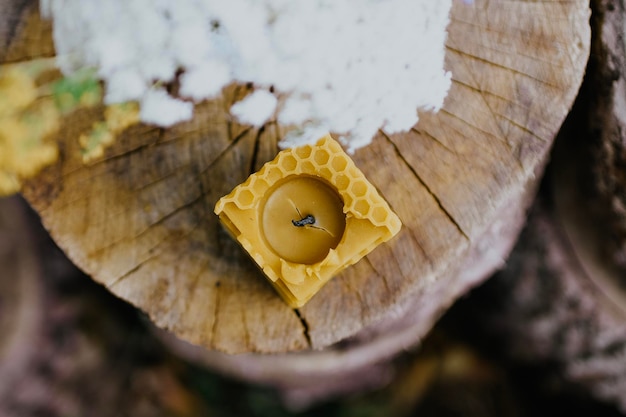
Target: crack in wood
[(228, 148), (111, 158), (378, 274), (305, 326), (164, 218), (153, 248), (232, 142), (194, 284), (502, 67), (503, 137), (197, 198), (131, 271), (246, 332), (227, 105), (473, 126), (520, 53), (516, 145), (426, 187), (352, 290), (216, 314), (487, 149), (524, 129), (437, 141), (491, 93), (150, 226), (203, 191), (255, 150), (421, 248)]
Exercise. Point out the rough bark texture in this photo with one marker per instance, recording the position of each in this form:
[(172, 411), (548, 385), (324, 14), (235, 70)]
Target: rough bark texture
[(544, 308), (20, 295), (607, 125), (562, 296), (140, 219)]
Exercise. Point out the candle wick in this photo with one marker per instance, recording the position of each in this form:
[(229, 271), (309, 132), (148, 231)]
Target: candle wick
[(308, 219)]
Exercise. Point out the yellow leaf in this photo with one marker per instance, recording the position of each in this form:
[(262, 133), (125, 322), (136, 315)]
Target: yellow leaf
[(17, 91), (9, 184), (120, 116)]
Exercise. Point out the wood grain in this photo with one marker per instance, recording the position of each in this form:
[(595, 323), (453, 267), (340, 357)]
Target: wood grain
[(140, 220)]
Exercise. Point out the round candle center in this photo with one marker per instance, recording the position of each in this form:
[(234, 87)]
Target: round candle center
[(302, 219)]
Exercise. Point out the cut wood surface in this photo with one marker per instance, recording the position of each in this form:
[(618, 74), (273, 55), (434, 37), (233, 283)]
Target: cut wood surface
[(140, 220)]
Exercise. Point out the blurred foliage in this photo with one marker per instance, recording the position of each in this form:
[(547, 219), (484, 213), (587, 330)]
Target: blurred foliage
[(117, 118), (26, 120), (81, 89), (34, 98)]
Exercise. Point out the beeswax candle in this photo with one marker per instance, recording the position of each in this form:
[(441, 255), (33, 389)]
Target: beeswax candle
[(305, 216), (302, 219)]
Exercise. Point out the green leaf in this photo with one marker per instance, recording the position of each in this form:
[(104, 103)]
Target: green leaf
[(81, 89)]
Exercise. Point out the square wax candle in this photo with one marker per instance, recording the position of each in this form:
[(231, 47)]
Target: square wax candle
[(305, 216)]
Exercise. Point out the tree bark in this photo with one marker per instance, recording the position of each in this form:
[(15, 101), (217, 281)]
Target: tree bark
[(21, 314), (606, 128), (562, 297), (546, 308), (140, 220)]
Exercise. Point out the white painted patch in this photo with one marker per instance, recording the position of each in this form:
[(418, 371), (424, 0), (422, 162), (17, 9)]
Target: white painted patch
[(256, 108), (159, 108), (347, 66)]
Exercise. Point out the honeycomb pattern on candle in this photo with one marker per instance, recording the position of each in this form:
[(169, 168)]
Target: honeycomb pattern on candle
[(326, 160)]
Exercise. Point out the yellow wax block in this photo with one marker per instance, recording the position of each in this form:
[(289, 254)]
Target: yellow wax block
[(305, 216)]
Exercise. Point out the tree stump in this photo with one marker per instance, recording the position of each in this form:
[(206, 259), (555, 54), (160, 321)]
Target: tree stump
[(140, 219)]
